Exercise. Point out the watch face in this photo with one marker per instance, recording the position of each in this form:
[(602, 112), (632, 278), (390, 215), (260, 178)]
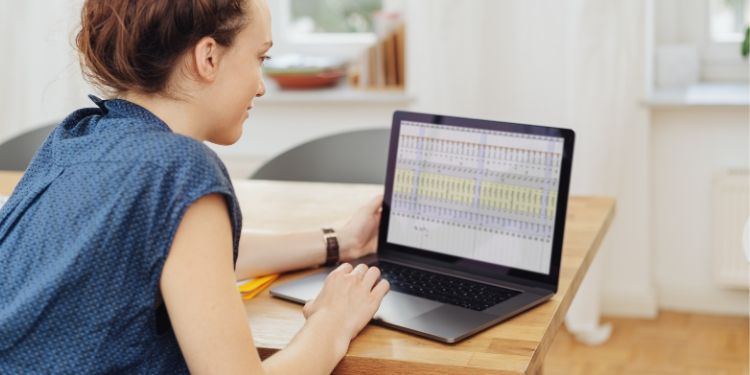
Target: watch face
[(332, 246)]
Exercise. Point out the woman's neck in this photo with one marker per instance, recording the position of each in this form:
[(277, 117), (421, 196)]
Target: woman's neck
[(181, 116)]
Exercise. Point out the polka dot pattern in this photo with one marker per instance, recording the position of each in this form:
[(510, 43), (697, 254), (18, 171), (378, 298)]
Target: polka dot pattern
[(84, 237)]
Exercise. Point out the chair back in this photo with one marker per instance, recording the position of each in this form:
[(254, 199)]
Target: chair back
[(352, 157), (17, 152)]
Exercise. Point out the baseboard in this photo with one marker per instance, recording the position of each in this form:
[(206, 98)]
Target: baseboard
[(629, 303), (645, 304), (709, 301)]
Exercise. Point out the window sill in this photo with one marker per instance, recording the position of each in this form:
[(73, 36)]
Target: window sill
[(702, 95), (341, 94)]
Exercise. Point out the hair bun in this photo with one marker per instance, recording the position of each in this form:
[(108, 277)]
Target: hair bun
[(129, 45)]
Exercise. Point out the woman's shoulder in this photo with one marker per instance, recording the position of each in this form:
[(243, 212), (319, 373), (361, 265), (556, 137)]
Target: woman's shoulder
[(169, 150), (176, 163), (121, 138)]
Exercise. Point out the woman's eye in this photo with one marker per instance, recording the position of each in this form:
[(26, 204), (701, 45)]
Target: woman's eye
[(265, 58)]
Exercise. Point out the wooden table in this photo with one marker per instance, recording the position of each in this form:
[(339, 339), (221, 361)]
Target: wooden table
[(517, 346)]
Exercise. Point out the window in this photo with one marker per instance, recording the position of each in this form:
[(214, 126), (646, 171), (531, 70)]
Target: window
[(721, 45), (332, 16), (728, 19), (337, 28)]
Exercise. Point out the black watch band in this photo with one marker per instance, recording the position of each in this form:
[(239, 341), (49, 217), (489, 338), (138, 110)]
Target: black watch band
[(332, 247)]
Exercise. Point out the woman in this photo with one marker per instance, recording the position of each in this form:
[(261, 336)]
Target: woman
[(118, 246)]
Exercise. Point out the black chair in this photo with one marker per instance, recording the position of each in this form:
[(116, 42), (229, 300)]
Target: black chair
[(352, 157), (16, 153)]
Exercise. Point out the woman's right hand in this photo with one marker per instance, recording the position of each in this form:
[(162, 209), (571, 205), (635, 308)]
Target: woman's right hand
[(349, 299)]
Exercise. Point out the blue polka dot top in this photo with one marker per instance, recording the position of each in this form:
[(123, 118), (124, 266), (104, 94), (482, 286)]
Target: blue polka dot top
[(84, 237)]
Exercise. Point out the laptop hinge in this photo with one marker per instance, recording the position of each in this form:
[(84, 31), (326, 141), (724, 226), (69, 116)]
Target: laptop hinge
[(526, 285)]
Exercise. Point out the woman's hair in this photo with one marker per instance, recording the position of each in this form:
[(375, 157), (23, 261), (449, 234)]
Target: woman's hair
[(134, 44)]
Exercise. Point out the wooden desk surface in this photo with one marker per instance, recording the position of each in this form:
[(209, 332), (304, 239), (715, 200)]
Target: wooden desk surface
[(516, 346), (8, 181)]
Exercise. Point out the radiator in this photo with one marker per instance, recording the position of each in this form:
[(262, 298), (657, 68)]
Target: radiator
[(731, 211)]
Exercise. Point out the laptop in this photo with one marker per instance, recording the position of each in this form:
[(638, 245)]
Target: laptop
[(472, 225)]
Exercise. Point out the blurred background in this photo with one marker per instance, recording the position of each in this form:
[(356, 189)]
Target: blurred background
[(657, 91)]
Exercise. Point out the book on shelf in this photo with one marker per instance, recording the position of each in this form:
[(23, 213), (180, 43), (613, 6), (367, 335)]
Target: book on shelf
[(382, 65)]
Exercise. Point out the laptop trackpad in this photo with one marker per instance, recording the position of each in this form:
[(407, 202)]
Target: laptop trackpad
[(398, 306)]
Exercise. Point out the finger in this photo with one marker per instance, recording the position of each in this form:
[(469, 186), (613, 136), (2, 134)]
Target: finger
[(343, 268), (371, 277), (375, 203), (360, 270), (380, 289)]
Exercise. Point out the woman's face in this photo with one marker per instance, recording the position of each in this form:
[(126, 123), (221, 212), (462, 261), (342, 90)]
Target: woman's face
[(239, 77)]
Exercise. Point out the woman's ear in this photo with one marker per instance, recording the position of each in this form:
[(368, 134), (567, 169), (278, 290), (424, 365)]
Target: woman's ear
[(205, 58)]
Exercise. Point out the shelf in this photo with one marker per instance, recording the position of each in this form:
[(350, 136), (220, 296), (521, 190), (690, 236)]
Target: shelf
[(337, 95), (702, 94)]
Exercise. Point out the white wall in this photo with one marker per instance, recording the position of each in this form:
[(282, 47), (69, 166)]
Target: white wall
[(690, 145), (40, 81)]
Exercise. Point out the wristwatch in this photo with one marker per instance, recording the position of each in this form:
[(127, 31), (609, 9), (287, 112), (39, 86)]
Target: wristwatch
[(332, 247)]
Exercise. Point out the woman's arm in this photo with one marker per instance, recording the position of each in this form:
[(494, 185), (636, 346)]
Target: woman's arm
[(266, 253), (208, 317)]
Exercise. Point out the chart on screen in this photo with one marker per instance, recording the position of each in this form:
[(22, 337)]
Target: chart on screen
[(480, 194)]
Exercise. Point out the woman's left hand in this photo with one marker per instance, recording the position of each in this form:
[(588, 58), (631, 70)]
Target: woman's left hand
[(359, 236)]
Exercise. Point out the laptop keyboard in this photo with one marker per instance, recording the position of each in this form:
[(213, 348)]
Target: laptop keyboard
[(442, 288)]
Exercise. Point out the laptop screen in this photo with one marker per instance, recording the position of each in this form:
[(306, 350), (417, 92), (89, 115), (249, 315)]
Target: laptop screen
[(474, 193)]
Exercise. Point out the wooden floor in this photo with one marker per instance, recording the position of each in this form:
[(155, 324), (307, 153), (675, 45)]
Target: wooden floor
[(674, 343)]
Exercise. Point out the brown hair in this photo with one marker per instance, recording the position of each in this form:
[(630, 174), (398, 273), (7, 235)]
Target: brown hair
[(134, 44)]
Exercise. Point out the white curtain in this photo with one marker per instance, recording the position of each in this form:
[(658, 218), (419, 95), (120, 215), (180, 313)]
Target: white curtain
[(40, 81), (607, 70), (570, 63)]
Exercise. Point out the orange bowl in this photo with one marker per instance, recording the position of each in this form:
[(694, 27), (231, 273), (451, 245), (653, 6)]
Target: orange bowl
[(307, 81)]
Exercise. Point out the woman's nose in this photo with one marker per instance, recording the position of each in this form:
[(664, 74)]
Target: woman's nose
[(261, 89)]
